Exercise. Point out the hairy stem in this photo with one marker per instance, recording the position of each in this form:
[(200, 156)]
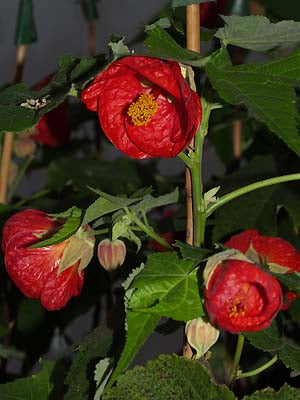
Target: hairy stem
[(249, 188), (238, 352), (18, 178), (257, 370), (148, 230)]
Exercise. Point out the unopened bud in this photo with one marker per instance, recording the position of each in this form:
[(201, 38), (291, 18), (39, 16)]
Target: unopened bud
[(24, 146), (111, 254), (201, 335)]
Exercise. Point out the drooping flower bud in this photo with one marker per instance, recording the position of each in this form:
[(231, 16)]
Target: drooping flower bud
[(24, 146), (201, 335), (111, 253)]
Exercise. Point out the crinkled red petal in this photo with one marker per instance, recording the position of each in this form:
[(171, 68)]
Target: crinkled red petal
[(242, 241), (277, 251), (58, 290), (30, 268), (157, 71), (262, 302), (28, 221), (113, 104), (90, 95), (154, 138)]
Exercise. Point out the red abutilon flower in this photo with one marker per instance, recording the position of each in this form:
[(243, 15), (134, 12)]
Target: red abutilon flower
[(279, 254), (145, 106), (53, 129), (54, 273), (240, 296)]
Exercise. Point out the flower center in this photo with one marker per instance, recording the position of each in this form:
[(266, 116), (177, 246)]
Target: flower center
[(236, 307), (142, 110)]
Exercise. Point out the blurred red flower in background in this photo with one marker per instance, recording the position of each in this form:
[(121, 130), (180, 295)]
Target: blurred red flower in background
[(53, 129), (145, 106)]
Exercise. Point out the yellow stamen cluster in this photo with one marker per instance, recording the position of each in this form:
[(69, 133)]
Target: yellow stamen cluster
[(142, 110), (236, 308)]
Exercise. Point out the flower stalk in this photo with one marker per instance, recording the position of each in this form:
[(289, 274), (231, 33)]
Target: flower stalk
[(236, 361), (258, 370)]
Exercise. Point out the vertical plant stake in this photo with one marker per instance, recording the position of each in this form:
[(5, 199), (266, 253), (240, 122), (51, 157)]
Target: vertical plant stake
[(25, 35), (90, 12)]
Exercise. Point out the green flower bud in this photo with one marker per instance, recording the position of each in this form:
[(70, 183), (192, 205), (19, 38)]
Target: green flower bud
[(111, 254), (201, 335)]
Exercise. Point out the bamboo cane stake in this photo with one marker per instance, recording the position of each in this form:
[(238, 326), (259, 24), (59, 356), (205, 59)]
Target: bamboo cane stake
[(237, 138), (9, 136), (92, 38), (193, 43)]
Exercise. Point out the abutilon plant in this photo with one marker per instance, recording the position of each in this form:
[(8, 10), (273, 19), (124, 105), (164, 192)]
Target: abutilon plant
[(236, 276)]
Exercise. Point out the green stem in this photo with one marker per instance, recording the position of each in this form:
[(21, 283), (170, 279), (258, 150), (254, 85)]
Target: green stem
[(258, 370), (98, 232), (35, 196), (249, 188), (199, 213), (185, 159), (148, 230), (18, 178), (238, 352)]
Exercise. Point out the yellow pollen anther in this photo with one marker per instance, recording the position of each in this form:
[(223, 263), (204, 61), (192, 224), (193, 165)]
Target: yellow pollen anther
[(142, 110), (236, 308)]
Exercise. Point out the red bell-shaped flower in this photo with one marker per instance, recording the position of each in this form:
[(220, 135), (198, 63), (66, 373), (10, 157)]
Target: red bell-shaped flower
[(240, 296), (145, 106), (54, 273)]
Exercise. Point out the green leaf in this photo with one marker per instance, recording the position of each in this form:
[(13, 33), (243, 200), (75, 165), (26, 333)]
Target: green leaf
[(291, 281), (167, 287), (163, 23), (280, 9), (117, 47), (160, 44), (118, 176), (266, 340), (119, 201), (30, 316), (88, 352), (103, 206), (189, 252), (25, 28), (168, 378), (253, 210), (139, 327), (266, 89), (258, 33), (71, 225), (285, 393), (89, 9), (38, 386), (149, 202), (181, 3), (270, 340), (290, 355), (21, 108), (102, 373)]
